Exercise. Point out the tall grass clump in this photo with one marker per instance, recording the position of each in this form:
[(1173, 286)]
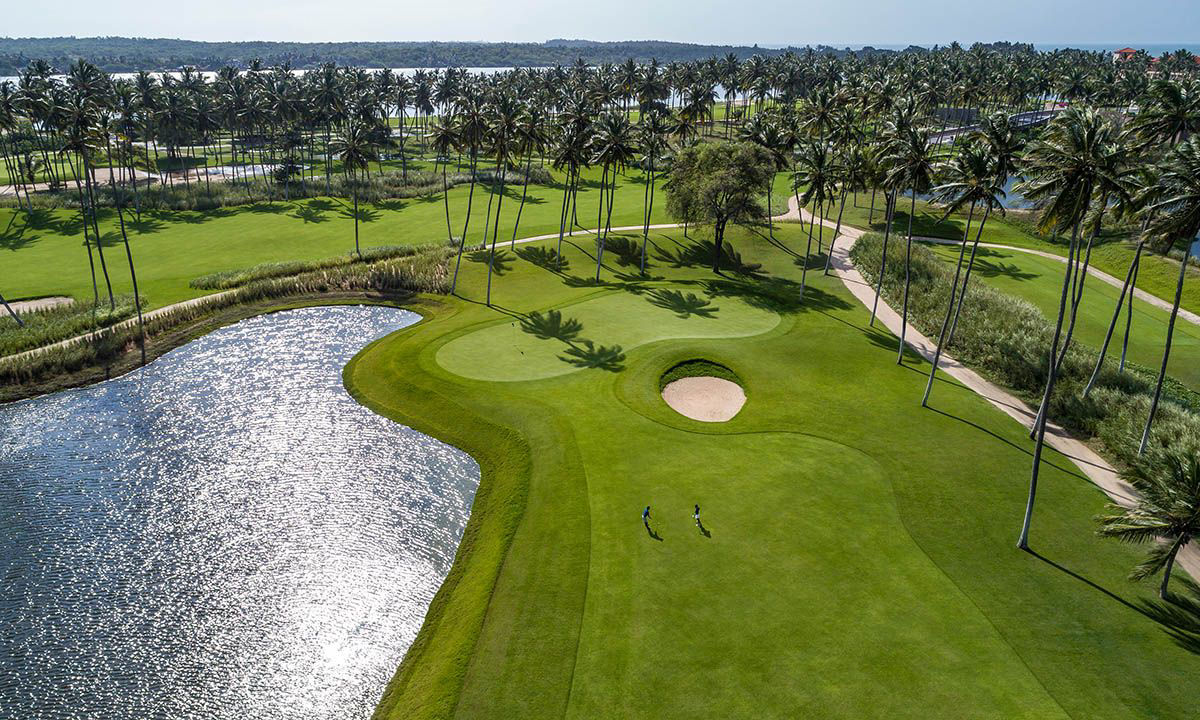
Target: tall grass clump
[(45, 327), (235, 278), (1008, 340), (425, 271)]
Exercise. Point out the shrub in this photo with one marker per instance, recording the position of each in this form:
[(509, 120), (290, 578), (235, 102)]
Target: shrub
[(45, 327), (234, 278)]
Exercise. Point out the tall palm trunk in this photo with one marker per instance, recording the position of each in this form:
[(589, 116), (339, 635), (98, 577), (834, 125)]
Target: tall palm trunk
[(354, 192), (937, 353), (1040, 421), (600, 232), (907, 277), (495, 232), (137, 300), (1079, 279), (562, 215), (12, 312), (466, 223), (836, 231), (646, 222), (524, 194), (1162, 371), (1128, 319), (88, 209), (890, 199), (1126, 287), (1176, 546), (808, 252)]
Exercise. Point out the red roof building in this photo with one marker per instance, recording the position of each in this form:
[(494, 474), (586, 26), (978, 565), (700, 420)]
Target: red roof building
[(1123, 54)]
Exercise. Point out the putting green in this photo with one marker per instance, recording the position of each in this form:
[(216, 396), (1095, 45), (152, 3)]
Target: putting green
[(596, 333)]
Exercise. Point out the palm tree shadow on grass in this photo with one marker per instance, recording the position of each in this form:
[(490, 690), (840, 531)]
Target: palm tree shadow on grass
[(586, 354), (991, 269), (365, 214), (145, 225), (779, 295), (15, 238), (627, 252), (544, 257), (500, 264), (309, 214), (551, 326), (1180, 617), (700, 254), (684, 306)]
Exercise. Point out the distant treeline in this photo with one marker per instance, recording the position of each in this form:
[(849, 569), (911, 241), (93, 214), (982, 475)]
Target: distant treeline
[(121, 54)]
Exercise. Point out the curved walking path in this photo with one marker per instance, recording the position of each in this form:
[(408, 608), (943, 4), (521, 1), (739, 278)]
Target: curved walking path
[(1096, 468)]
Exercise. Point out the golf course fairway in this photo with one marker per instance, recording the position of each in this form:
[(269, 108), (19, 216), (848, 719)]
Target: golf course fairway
[(856, 554)]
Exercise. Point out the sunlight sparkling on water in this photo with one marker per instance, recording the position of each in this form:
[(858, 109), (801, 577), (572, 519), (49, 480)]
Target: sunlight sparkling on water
[(223, 534)]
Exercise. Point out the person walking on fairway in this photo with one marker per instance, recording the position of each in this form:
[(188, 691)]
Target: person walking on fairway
[(646, 516), (696, 515)]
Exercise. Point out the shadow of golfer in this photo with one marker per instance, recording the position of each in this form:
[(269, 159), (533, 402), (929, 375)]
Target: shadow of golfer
[(651, 533), (703, 530)]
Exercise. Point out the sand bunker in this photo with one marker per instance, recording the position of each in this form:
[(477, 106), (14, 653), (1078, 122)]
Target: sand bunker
[(707, 399)]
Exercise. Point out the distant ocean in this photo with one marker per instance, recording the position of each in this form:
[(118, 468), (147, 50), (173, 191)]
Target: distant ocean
[(1155, 49)]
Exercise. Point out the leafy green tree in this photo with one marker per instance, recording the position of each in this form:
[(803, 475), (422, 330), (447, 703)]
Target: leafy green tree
[(718, 183), (1077, 154), (355, 148), (971, 180)]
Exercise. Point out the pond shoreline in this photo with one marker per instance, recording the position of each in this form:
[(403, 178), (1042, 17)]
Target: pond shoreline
[(175, 337)]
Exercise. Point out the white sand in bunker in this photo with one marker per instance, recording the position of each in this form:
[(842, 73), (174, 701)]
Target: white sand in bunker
[(707, 399)]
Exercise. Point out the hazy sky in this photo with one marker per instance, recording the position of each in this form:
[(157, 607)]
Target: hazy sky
[(767, 22)]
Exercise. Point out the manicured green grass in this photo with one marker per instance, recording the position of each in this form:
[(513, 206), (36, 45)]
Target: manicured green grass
[(857, 558), (1039, 280), (47, 256)]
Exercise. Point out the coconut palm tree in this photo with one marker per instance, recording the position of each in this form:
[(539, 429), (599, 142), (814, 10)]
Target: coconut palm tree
[(1165, 514), (971, 180), (1076, 153), (83, 140), (910, 153), (1175, 209), (1147, 178), (531, 138), (1171, 114), (651, 137), (817, 175), (764, 130), (446, 141), (355, 148), (502, 135), (1005, 146), (612, 148)]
